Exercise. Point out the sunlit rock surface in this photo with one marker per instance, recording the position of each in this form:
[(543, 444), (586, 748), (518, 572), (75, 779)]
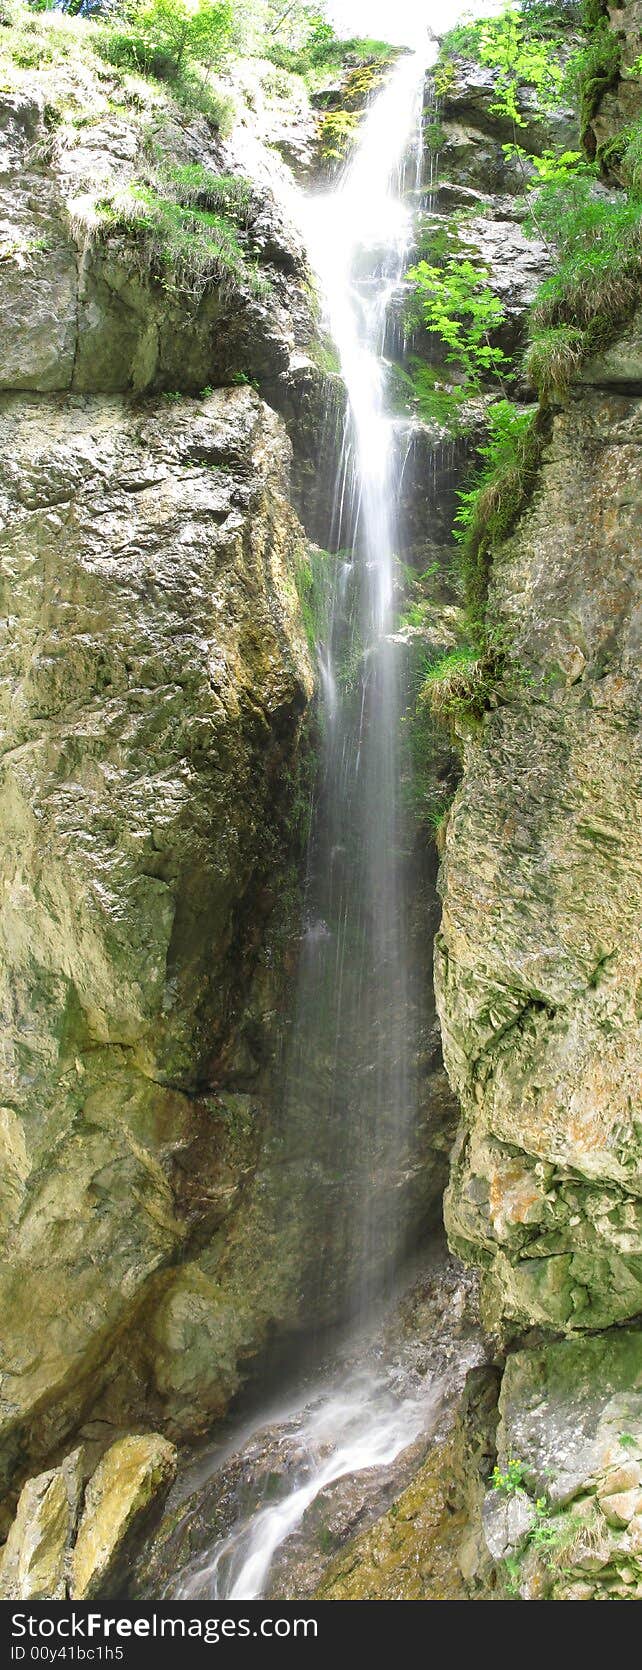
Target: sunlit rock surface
[(537, 959), (132, 1476), (35, 1562)]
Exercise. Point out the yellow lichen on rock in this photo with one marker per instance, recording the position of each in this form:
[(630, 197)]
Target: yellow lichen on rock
[(411, 1553), (130, 1477)]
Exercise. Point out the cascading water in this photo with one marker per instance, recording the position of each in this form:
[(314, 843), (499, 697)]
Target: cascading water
[(354, 1047), (351, 1076)]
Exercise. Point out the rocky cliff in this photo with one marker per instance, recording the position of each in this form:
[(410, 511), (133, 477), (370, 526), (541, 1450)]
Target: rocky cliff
[(537, 970), (537, 954), (156, 679), (536, 959)]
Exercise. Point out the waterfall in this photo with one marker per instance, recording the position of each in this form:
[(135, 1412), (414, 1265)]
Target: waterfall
[(352, 1069), (350, 1086)]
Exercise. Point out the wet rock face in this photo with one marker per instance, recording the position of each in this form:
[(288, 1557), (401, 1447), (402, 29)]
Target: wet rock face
[(427, 1340), (538, 952), (154, 680)]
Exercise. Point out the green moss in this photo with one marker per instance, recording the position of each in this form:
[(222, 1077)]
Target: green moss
[(337, 133), (313, 578), (323, 354), (435, 137), (490, 509), (417, 389), (590, 74)]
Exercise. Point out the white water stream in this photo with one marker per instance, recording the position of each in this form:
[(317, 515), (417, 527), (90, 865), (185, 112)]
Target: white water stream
[(354, 981), (350, 1425)]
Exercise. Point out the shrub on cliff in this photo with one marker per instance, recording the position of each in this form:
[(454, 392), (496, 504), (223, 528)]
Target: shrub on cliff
[(457, 305), (521, 45)]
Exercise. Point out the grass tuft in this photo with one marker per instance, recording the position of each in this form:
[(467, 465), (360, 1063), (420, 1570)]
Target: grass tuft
[(187, 249), (582, 306), (553, 360), (458, 687)]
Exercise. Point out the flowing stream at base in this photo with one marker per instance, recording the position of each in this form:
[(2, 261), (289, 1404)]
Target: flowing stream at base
[(353, 1038)]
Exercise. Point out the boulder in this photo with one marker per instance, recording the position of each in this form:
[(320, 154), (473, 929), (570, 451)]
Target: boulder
[(35, 1558), (133, 1477)]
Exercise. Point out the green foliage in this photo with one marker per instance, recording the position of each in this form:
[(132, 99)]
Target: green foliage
[(488, 510), (592, 12), (319, 52), (580, 308), (632, 71), (510, 1479), (551, 168), (444, 75), (197, 187), (161, 37), (631, 160), (582, 221), (522, 46), (553, 360), (462, 41), (431, 781), (522, 56), (459, 307)]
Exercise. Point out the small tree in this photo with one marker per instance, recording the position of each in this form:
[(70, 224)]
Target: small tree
[(161, 37), (458, 306)]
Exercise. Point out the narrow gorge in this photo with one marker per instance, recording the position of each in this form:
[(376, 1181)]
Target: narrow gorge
[(320, 512)]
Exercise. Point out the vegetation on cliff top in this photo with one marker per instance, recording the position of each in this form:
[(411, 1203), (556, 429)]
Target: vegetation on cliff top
[(191, 48), (539, 55), (189, 227)]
